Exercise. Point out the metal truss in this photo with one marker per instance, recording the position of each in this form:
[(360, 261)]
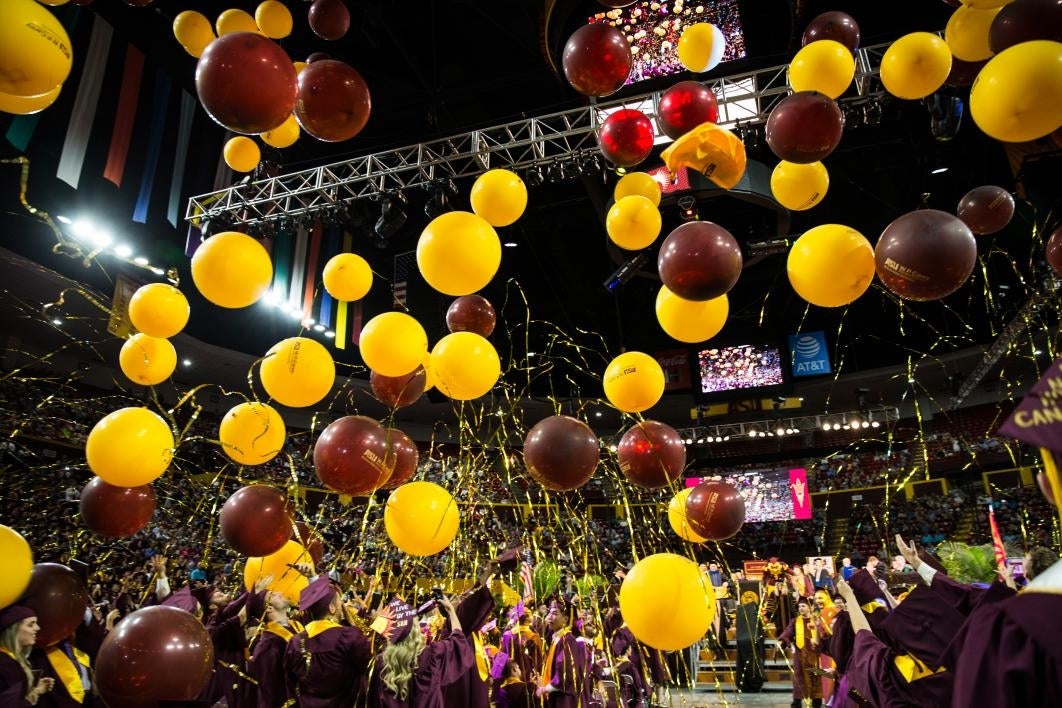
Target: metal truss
[(744, 99)]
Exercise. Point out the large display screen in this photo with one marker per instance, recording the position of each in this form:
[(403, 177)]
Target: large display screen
[(770, 494), (744, 366)]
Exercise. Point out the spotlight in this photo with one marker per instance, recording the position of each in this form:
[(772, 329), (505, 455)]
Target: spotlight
[(589, 166), (555, 173), (827, 426), (534, 177), (123, 250), (872, 114), (945, 116), (439, 201), (392, 217), (140, 260), (875, 424)]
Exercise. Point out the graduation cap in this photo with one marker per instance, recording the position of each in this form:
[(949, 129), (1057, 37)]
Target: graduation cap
[(256, 604), (15, 613), (923, 624), (395, 620), (317, 594), (183, 600), (932, 561), (1037, 421), (713, 151), (864, 587), (509, 560)]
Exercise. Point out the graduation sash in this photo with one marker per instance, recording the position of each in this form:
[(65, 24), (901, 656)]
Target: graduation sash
[(318, 626), (284, 632), (547, 670), (67, 670), (800, 621), (912, 669), (482, 665)]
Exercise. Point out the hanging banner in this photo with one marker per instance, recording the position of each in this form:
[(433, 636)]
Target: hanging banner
[(75, 146), (184, 135), (160, 106), (798, 489), (125, 116), (119, 324)]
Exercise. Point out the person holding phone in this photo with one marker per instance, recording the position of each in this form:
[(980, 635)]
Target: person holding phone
[(18, 634)]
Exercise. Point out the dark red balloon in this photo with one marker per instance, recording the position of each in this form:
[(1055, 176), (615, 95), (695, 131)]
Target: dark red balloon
[(350, 457), (685, 106), (626, 137), (1054, 250), (699, 260), (597, 59), (804, 127), (317, 56), (246, 83), (58, 595), (651, 454), (334, 102), (715, 510), (310, 540), (403, 456), (925, 255), (1024, 21), (838, 26), (329, 19), (561, 453), (963, 73), (986, 209), (116, 512), (399, 391), (255, 520), (155, 654), (471, 313)]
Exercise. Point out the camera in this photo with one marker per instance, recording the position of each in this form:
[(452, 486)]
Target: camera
[(437, 593)]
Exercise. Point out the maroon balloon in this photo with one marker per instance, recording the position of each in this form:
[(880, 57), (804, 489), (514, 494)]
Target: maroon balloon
[(471, 313), (715, 510), (246, 83), (155, 654), (334, 102), (699, 260), (651, 454), (561, 453), (403, 456), (399, 391), (804, 127), (255, 520), (963, 73), (1044, 483), (986, 209), (626, 137), (1024, 21), (597, 59), (350, 457), (685, 106), (925, 255), (310, 540), (1054, 250), (838, 26), (317, 56), (329, 19), (58, 595), (116, 512)]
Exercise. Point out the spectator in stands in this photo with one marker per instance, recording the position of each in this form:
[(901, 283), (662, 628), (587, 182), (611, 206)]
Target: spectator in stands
[(847, 569)]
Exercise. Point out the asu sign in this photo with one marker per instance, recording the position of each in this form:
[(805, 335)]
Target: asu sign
[(809, 354)]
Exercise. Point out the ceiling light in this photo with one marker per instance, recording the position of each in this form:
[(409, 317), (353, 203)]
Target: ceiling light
[(63, 220), (157, 271), (140, 260), (700, 441), (688, 441), (827, 426), (319, 327), (123, 250), (939, 170), (82, 229), (57, 322), (510, 244), (725, 438), (612, 448), (875, 424), (1037, 352), (308, 322), (100, 239), (187, 362), (780, 431), (330, 334), (597, 414), (864, 424)]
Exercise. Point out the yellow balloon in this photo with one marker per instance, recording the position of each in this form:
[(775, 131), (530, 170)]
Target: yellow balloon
[(53, 3), (667, 602), (252, 433), (421, 518), (18, 565), (967, 33), (831, 265), (26, 105), (130, 447), (633, 222), (234, 20), (232, 269), (458, 253), (915, 65), (1017, 97), (286, 580), (640, 183), (825, 66), (393, 344), (297, 372), (429, 372), (242, 154), (147, 360), (193, 31), (35, 51), (986, 4), (634, 382), (347, 277), (688, 320), (159, 310), (299, 66), (499, 197), (799, 187), (676, 516), (701, 47), (284, 135), (464, 366), (273, 19)]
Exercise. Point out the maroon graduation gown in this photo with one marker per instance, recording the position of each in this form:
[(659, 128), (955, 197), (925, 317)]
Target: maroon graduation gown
[(59, 696), (805, 685), (526, 650), (571, 675), (13, 685), (441, 664), (517, 694), (266, 666), (838, 645), (872, 673), (326, 666), (470, 690), (1011, 654), (229, 645), (621, 639)]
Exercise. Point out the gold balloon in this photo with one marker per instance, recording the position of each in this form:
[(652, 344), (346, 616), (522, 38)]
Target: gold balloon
[(286, 580), (967, 33), (347, 277), (499, 197), (159, 310), (633, 222), (130, 447), (689, 320), (393, 344), (284, 135), (273, 19), (915, 65), (147, 360), (825, 66), (35, 51), (831, 265), (242, 154), (193, 31), (235, 20), (421, 518), (297, 372), (640, 183), (27, 105), (458, 253), (252, 433), (464, 366), (634, 382), (232, 269), (18, 565), (799, 187), (676, 516), (667, 602), (1017, 97), (701, 47)]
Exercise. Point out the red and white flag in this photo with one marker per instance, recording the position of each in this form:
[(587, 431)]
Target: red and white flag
[(997, 539)]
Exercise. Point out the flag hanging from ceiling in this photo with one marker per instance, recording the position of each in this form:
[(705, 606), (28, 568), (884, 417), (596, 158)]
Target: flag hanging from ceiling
[(75, 146)]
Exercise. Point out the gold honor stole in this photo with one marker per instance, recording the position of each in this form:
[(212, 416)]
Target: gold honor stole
[(912, 669), (67, 670), (481, 656), (800, 632), (318, 626), (547, 670)]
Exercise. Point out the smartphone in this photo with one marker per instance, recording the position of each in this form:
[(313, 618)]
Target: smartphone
[(437, 594)]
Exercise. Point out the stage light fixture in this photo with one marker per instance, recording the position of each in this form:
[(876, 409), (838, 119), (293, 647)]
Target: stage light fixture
[(534, 176), (392, 217)]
